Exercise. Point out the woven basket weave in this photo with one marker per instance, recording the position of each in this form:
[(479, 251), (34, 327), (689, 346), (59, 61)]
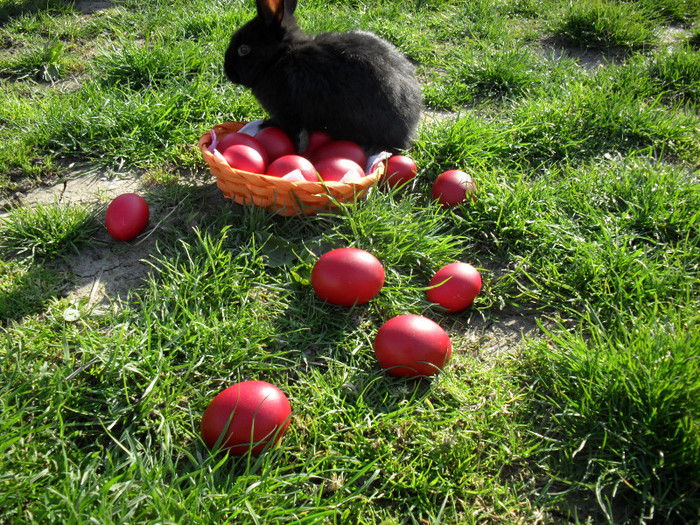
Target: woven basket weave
[(281, 196)]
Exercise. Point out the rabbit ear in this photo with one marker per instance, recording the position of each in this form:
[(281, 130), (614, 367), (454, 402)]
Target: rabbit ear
[(273, 11)]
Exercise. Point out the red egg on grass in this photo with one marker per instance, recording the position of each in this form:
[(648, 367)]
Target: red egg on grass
[(233, 139), (245, 158), (343, 149), (412, 345), (452, 188), (276, 142), (339, 170), (289, 163), (127, 216), (347, 276), (400, 170), (246, 416), (455, 286)]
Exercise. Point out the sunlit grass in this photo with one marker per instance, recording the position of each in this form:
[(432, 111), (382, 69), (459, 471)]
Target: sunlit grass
[(47, 230), (601, 25), (586, 220)]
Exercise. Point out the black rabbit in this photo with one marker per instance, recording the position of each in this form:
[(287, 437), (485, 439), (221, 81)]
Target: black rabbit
[(354, 85)]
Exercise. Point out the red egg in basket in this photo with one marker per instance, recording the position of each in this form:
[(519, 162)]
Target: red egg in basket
[(343, 149), (233, 139), (276, 142), (317, 139), (245, 158), (339, 170), (289, 163)]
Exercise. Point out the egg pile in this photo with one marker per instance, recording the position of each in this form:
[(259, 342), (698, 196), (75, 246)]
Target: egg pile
[(270, 151), (251, 416)]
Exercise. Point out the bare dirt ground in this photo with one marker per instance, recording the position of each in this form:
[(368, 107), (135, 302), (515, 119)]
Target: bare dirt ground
[(88, 7), (106, 269)]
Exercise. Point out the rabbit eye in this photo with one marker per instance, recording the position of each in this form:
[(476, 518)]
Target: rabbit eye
[(243, 50)]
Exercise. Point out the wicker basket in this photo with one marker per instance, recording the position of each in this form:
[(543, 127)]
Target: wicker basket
[(279, 195)]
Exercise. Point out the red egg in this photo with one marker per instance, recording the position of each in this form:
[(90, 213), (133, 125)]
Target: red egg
[(316, 140), (347, 276), (233, 139), (126, 216), (276, 142), (245, 158), (339, 170), (288, 163), (455, 286), (246, 416), (400, 170), (343, 149), (412, 345), (452, 187)]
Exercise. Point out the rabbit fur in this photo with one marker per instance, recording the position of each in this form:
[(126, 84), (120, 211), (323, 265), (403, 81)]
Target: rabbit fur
[(353, 85)]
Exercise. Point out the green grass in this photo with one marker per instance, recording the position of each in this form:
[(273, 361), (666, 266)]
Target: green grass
[(634, 416), (47, 230), (586, 220), (600, 24), (26, 288)]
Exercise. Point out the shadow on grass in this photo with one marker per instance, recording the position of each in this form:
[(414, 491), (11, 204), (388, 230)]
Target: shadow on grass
[(30, 288), (16, 8)]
